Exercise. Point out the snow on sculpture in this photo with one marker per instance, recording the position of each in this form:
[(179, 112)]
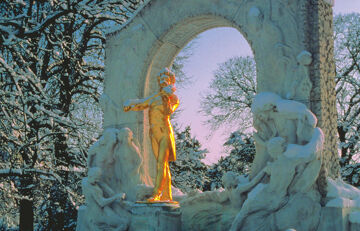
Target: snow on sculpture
[(274, 116), (283, 185), (270, 197), (284, 180), (115, 181)]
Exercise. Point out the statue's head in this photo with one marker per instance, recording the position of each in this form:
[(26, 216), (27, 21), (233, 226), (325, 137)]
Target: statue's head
[(108, 136), (94, 174), (166, 77), (125, 135), (276, 146)]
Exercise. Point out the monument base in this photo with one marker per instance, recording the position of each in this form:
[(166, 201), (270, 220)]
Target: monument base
[(155, 217), (339, 219), (334, 219)]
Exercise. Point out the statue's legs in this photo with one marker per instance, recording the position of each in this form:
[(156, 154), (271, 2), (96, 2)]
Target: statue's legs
[(160, 145), (166, 191)]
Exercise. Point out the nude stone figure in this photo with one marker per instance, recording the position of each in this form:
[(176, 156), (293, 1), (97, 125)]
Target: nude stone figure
[(274, 116), (100, 208), (282, 172)]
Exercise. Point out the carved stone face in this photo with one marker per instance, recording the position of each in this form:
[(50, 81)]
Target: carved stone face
[(125, 135)]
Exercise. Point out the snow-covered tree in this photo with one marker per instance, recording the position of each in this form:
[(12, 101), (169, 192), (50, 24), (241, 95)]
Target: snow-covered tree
[(241, 149), (347, 56), (51, 71), (188, 171), (182, 79), (231, 92)]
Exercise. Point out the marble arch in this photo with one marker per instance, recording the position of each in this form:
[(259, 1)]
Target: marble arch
[(281, 33)]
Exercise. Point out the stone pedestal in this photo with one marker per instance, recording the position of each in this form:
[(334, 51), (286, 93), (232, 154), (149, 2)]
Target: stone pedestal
[(335, 219), (155, 217), (81, 225), (354, 219)]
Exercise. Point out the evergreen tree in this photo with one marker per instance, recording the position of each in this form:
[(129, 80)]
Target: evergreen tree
[(242, 152), (188, 171)]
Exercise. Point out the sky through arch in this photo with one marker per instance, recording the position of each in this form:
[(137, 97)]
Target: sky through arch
[(212, 47)]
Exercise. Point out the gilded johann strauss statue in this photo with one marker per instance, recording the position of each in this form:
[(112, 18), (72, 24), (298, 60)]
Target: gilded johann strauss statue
[(161, 106)]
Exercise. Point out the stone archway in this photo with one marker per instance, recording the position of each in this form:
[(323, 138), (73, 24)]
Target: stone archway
[(278, 32)]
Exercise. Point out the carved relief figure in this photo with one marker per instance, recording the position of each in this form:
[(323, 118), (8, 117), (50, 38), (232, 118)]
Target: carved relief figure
[(161, 106), (275, 60), (284, 175), (292, 120), (264, 131), (100, 212), (274, 116), (128, 167), (300, 84), (100, 152)]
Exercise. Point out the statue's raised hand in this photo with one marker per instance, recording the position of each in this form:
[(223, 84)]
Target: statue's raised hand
[(126, 108)]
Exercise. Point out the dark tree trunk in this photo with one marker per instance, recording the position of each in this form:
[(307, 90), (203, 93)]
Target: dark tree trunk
[(26, 215), (345, 158)]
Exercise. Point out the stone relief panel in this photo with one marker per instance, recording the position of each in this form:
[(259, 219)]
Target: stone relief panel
[(275, 30), (116, 179)]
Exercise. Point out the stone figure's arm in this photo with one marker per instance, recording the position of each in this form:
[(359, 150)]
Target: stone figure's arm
[(247, 187), (107, 189), (223, 196), (311, 150), (300, 158), (311, 118), (91, 154), (102, 201), (259, 140)]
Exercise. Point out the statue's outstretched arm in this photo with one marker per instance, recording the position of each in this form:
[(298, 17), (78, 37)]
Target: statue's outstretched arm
[(137, 104)]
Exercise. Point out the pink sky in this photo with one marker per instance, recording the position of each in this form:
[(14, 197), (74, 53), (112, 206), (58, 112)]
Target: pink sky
[(213, 47)]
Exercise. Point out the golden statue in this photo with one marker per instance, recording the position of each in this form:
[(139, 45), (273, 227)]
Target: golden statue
[(161, 106)]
